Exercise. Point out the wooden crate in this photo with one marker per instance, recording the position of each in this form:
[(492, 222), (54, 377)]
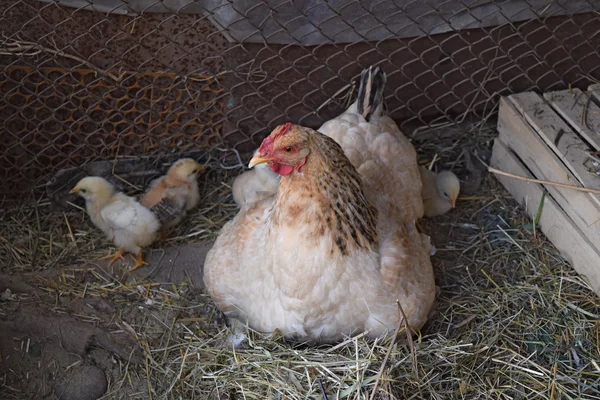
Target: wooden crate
[(553, 138)]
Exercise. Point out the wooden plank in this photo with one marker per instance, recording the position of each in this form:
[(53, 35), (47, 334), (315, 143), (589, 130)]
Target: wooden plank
[(594, 90), (551, 128), (556, 225), (519, 136), (579, 111)]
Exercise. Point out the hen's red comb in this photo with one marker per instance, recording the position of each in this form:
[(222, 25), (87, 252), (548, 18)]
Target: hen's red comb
[(267, 144), (283, 129)]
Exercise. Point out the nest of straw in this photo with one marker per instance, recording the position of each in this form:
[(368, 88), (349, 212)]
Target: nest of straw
[(513, 320)]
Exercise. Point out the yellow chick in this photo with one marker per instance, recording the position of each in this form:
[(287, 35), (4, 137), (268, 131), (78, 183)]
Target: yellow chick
[(254, 185), (439, 191), (171, 196), (123, 220)]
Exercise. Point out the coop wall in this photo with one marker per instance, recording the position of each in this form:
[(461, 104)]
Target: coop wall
[(79, 86)]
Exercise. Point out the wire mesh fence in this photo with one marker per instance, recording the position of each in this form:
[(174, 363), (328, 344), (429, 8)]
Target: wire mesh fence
[(105, 80)]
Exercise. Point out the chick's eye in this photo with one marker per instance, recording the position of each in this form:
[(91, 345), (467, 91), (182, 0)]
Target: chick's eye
[(288, 149), (83, 190)]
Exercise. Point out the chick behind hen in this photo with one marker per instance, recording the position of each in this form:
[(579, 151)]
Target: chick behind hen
[(440, 191), (123, 220), (254, 185)]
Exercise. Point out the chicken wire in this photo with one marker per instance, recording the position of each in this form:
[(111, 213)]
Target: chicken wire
[(93, 80)]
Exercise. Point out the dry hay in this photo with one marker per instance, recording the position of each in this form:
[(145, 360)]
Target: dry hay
[(513, 320)]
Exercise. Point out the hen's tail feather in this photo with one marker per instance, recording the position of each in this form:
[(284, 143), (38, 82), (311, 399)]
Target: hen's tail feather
[(370, 92)]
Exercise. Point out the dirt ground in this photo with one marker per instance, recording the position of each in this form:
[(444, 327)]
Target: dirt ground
[(47, 335)]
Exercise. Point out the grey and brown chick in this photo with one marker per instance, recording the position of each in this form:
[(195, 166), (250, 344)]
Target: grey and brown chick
[(130, 225), (439, 191), (173, 195)]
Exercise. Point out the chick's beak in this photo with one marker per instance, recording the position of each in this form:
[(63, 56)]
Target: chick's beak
[(75, 190), (258, 159)]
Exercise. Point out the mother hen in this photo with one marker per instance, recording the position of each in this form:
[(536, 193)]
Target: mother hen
[(331, 255)]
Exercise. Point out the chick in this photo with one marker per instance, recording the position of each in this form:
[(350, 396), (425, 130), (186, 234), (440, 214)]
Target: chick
[(254, 185), (123, 220), (439, 191), (171, 196)]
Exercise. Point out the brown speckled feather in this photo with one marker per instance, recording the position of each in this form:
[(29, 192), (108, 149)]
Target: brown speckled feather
[(171, 206)]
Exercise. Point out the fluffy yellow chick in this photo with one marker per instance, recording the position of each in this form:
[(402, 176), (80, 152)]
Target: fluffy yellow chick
[(254, 185), (439, 191), (123, 220), (171, 196)]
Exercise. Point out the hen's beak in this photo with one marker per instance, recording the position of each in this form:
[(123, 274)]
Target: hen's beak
[(258, 159), (75, 190), (453, 203)]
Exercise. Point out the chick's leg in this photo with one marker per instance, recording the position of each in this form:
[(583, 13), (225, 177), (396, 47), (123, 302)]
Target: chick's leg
[(114, 257), (139, 261)]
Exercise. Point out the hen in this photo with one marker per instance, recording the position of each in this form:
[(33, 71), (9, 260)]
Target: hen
[(337, 249), (172, 196), (122, 219), (440, 191), (254, 185)]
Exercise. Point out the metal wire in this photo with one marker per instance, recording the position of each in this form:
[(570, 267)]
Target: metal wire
[(105, 80)]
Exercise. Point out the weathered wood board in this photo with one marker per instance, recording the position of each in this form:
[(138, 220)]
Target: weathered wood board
[(594, 90), (525, 141), (562, 139), (556, 138), (578, 109), (554, 222)]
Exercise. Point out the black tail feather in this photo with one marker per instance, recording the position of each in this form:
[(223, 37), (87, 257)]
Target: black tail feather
[(370, 91)]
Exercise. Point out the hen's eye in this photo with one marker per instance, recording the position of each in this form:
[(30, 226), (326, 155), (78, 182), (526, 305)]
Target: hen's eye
[(83, 190), (288, 149)]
